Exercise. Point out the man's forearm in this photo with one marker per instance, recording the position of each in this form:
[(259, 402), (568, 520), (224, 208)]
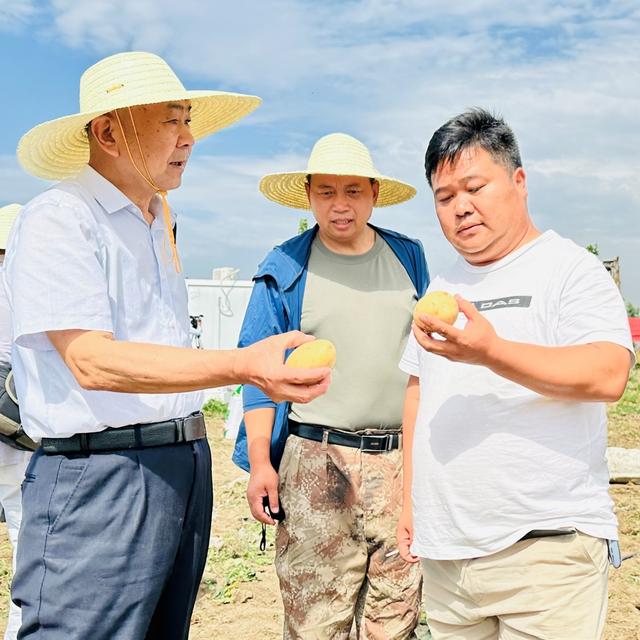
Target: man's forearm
[(100, 363), (410, 411), (259, 425), (590, 372)]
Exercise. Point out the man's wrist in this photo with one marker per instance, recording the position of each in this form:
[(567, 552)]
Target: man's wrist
[(494, 355), (240, 365), (259, 449), (406, 515), (260, 463), (260, 459)]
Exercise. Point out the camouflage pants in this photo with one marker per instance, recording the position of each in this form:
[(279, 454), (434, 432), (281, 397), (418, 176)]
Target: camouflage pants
[(336, 552)]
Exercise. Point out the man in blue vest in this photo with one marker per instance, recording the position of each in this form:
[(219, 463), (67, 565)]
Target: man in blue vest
[(337, 489)]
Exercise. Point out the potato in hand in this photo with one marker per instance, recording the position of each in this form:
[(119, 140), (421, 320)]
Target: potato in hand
[(440, 304), (310, 355)]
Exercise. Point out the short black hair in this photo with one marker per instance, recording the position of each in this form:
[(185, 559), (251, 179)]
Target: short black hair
[(474, 128)]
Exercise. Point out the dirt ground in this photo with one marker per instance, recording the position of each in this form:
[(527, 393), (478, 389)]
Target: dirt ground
[(239, 596), (254, 609)]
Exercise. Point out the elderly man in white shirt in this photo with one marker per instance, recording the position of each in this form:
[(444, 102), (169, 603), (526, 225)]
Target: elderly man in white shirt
[(117, 500)]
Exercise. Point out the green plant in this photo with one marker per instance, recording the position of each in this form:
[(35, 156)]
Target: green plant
[(213, 407), (236, 559), (632, 312), (225, 586), (303, 225), (593, 248)]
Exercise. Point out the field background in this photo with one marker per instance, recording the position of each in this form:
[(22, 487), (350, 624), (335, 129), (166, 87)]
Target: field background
[(239, 596)]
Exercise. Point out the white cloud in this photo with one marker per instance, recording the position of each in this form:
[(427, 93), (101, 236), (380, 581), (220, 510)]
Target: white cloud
[(112, 24), (14, 13)]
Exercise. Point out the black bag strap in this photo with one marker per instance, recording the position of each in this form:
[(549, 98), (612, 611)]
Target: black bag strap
[(11, 431)]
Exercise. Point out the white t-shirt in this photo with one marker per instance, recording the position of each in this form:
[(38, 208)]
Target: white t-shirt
[(493, 459)]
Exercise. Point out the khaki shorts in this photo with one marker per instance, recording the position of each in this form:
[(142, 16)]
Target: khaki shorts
[(553, 588)]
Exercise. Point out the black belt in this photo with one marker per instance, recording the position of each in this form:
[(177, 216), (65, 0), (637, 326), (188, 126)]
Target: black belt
[(136, 436), (366, 442), (547, 533)]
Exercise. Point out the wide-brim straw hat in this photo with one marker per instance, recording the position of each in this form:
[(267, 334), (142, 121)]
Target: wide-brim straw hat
[(8, 214), (336, 154), (60, 148)]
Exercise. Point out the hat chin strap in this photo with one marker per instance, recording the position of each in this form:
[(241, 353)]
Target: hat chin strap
[(149, 181)]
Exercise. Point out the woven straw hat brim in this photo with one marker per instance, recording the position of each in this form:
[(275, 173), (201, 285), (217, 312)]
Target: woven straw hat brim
[(60, 148), (8, 214), (289, 189)]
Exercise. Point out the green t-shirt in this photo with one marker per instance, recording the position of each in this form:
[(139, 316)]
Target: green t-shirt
[(363, 304)]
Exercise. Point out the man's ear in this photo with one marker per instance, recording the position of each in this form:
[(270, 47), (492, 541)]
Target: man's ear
[(375, 187), (307, 188), (102, 134), (520, 180)]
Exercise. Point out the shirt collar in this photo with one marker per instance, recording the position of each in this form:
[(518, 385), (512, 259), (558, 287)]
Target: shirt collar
[(110, 198), (155, 206)]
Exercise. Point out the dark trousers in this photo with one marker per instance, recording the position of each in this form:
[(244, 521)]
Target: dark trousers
[(113, 545)]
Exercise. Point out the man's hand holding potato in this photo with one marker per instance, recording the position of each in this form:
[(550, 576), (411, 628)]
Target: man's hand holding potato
[(262, 363), (474, 344)]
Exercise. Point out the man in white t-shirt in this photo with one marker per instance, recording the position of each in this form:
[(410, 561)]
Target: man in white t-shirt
[(504, 422)]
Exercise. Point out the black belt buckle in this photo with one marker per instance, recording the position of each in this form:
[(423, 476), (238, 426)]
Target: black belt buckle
[(376, 443), (193, 427), (190, 428)]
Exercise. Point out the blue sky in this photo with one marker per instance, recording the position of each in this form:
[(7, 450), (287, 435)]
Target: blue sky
[(566, 76)]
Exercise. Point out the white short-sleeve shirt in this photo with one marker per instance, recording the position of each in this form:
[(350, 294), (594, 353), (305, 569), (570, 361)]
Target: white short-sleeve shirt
[(492, 459), (81, 256)]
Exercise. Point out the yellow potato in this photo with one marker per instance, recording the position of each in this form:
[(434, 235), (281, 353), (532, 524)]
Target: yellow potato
[(319, 353), (439, 304)]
